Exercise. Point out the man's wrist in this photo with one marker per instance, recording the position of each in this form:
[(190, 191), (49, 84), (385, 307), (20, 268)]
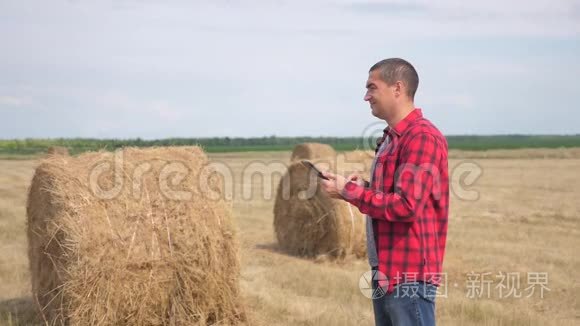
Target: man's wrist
[(351, 191)]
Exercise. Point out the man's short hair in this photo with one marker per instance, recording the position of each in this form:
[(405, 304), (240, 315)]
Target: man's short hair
[(396, 69)]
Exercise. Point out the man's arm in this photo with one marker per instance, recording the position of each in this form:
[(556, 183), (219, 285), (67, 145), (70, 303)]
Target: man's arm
[(414, 182)]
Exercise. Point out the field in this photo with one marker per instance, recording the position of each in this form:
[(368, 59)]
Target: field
[(521, 216)]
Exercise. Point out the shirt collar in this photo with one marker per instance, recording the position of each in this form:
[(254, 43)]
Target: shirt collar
[(402, 125)]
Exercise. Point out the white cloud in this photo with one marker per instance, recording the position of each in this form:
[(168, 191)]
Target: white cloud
[(12, 101)]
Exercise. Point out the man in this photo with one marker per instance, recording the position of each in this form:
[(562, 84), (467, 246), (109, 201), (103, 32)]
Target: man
[(406, 201)]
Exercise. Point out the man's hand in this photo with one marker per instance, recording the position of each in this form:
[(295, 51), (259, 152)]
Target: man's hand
[(356, 178), (334, 185)]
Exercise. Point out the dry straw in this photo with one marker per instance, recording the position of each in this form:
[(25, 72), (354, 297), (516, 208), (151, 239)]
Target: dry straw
[(57, 150), (307, 222), (140, 258), (358, 156), (312, 151)]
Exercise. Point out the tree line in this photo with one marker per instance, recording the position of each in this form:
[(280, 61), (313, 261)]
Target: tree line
[(272, 143)]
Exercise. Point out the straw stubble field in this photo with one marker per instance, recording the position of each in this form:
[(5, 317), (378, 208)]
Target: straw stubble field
[(526, 220)]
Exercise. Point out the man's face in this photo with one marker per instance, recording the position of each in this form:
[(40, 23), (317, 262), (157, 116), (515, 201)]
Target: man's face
[(380, 96)]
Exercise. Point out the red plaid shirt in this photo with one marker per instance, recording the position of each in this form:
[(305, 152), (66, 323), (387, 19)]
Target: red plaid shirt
[(408, 201)]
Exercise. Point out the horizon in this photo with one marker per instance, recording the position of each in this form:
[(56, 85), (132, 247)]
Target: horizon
[(278, 136)]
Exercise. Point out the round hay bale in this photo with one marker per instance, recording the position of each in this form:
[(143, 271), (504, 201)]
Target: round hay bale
[(312, 151), (57, 150), (359, 156), (114, 239), (307, 222)]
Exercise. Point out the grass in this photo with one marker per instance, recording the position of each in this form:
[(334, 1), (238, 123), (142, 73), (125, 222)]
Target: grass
[(527, 219), (269, 144)]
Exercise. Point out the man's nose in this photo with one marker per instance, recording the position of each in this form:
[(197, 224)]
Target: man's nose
[(367, 97)]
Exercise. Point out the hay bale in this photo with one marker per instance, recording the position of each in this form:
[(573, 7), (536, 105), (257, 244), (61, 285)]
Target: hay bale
[(312, 151), (307, 222), (127, 246), (359, 156), (57, 150)]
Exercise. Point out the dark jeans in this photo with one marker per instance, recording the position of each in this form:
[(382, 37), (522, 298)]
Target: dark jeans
[(409, 304)]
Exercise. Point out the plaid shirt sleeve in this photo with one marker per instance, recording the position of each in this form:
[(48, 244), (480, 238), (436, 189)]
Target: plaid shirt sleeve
[(414, 180)]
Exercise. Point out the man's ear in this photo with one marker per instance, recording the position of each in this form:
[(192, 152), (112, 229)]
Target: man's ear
[(398, 88)]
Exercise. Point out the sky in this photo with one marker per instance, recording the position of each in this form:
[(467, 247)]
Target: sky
[(160, 69)]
